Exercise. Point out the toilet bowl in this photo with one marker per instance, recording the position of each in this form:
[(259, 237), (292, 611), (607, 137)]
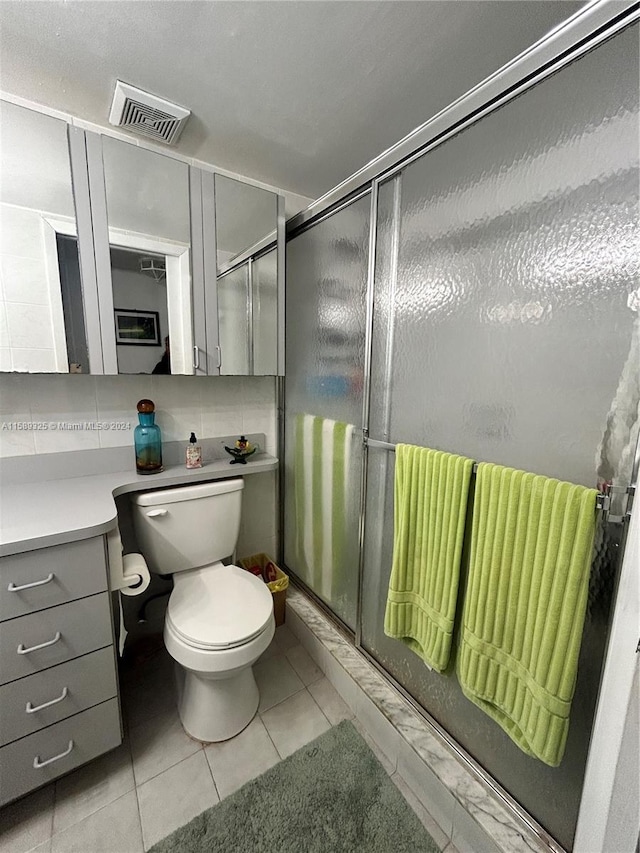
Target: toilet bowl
[(219, 618)]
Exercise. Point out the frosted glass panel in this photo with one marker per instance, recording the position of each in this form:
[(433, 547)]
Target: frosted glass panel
[(506, 316), (265, 315), (326, 288), (518, 254), (233, 319)]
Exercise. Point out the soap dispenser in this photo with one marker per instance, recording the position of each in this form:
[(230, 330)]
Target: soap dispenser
[(148, 440), (194, 453)]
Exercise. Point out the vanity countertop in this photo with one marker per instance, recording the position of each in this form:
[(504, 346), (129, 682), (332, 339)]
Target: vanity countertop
[(54, 511)]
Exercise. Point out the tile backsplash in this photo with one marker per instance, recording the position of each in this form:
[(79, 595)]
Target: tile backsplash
[(62, 413), (210, 406)]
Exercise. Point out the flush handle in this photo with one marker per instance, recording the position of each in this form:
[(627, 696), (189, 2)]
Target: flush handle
[(37, 764), (31, 709), (157, 513), (13, 588)]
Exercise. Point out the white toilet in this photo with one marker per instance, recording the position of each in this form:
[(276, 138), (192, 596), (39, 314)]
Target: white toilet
[(219, 618)]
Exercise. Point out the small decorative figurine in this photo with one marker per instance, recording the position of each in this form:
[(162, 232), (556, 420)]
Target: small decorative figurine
[(241, 450)]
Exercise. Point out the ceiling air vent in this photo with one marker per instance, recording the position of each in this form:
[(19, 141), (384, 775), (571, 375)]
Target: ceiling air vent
[(147, 114)]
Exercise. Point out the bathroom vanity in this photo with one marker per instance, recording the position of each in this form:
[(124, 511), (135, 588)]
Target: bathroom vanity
[(59, 698)]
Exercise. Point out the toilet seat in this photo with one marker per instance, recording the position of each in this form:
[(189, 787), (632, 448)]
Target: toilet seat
[(219, 607)]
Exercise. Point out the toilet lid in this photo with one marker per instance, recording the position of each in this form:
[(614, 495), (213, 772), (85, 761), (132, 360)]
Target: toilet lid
[(219, 608)]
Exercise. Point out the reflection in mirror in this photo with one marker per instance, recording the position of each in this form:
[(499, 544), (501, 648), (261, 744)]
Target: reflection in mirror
[(264, 307), (233, 321), (41, 310), (246, 222), (149, 240), (245, 215), (140, 280), (72, 304)]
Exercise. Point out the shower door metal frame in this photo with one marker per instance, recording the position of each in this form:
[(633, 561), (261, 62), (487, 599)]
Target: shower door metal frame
[(344, 203), (579, 34)]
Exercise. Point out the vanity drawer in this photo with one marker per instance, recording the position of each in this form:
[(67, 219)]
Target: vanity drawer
[(41, 757), (51, 576), (39, 700), (50, 637)]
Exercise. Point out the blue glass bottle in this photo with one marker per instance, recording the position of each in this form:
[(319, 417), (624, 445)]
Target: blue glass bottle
[(148, 440)]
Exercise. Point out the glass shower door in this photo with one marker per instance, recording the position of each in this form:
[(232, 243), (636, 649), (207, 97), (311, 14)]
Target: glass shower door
[(506, 329), (325, 346)]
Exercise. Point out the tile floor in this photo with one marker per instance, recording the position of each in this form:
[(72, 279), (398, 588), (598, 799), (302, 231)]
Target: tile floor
[(127, 800)]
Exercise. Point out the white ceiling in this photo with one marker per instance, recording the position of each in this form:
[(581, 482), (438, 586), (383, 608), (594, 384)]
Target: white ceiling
[(297, 94)]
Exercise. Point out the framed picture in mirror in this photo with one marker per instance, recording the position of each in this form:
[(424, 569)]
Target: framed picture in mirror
[(141, 328)]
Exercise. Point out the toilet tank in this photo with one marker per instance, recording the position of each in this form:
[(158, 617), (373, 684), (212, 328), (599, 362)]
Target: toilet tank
[(188, 527)]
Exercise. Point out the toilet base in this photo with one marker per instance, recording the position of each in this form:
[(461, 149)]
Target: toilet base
[(216, 709)]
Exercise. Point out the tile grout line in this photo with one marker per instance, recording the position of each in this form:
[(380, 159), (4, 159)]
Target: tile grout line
[(213, 778), (290, 696), (448, 836), (319, 708), (97, 811), (270, 738), (76, 822), (175, 764), (164, 771), (53, 809), (144, 846), (332, 654)]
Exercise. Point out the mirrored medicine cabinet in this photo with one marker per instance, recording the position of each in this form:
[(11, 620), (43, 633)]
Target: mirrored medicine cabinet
[(116, 259)]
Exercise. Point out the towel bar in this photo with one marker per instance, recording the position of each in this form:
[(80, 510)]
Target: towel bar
[(603, 501)]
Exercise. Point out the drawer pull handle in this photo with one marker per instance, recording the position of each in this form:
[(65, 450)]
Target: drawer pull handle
[(22, 651), (37, 764), (13, 588), (157, 513), (30, 709)]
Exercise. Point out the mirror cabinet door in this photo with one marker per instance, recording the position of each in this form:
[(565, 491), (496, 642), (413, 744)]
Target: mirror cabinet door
[(264, 311), (149, 236), (233, 319), (42, 315), (246, 220), (109, 290)]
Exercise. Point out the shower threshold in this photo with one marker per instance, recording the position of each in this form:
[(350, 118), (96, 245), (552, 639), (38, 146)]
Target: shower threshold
[(470, 811)]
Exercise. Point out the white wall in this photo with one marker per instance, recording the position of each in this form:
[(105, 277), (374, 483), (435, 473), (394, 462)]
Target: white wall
[(209, 405), (32, 334), (609, 818), (134, 290), (623, 824), (50, 169), (146, 193)]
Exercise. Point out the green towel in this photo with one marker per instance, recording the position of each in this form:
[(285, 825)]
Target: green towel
[(525, 603), (322, 466), (431, 490)]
